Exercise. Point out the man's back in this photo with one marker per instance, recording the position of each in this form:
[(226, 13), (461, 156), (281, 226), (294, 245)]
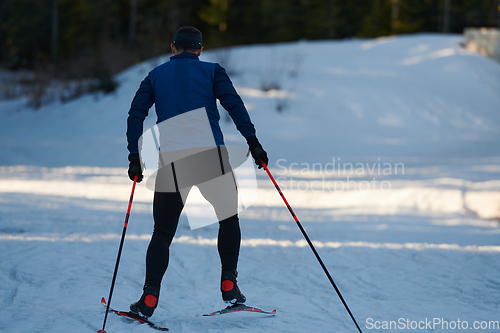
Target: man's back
[(184, 84)]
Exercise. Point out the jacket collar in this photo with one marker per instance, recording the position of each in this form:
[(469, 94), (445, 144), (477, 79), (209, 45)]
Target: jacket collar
[(185, 55)]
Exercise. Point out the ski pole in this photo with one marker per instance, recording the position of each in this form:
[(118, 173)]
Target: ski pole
[(119, 255), (311, 245)]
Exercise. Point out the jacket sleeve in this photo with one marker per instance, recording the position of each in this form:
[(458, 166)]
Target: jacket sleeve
[(142, 102), (231, 101)]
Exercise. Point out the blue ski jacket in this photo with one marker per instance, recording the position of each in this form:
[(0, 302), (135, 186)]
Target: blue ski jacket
[(184, 84)]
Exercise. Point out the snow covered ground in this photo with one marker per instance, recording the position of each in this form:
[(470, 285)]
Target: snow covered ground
[(387, 149)]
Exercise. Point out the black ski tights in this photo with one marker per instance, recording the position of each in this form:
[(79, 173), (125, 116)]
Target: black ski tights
[(167, 208)]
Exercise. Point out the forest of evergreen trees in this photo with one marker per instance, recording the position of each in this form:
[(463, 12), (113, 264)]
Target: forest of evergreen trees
[(90, 37)]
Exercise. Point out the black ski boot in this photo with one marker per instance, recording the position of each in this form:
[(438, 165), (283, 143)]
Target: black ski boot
[(229, 288), (148, 302)]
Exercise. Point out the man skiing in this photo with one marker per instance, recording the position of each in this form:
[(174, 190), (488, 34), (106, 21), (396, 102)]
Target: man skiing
[(178, 87)]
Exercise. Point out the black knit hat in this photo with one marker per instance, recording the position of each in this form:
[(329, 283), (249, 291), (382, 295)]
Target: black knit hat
[(188, 37)]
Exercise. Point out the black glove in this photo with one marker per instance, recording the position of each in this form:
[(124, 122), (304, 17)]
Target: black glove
[(134, 168), (258, 153)]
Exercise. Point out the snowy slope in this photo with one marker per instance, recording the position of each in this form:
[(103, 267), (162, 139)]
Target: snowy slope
[(417, 114)]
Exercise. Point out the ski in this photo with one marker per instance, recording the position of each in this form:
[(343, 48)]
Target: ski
[(134, 316), (238, 308)]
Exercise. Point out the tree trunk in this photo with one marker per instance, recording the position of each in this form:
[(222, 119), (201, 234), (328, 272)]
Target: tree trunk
[(55, 30), (132, 21), (446, 16), (394, 15)]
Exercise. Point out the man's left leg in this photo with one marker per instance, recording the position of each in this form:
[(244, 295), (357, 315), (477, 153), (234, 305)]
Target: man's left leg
[(222, 194), (228, 244)]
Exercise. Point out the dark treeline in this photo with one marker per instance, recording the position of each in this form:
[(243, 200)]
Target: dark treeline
[(89, 37)]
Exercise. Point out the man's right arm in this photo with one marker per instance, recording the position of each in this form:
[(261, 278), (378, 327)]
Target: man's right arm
[(142, 102), (231, 101), (139, 110)]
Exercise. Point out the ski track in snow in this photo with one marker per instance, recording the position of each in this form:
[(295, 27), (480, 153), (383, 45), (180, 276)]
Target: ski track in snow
[(428, 248)]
